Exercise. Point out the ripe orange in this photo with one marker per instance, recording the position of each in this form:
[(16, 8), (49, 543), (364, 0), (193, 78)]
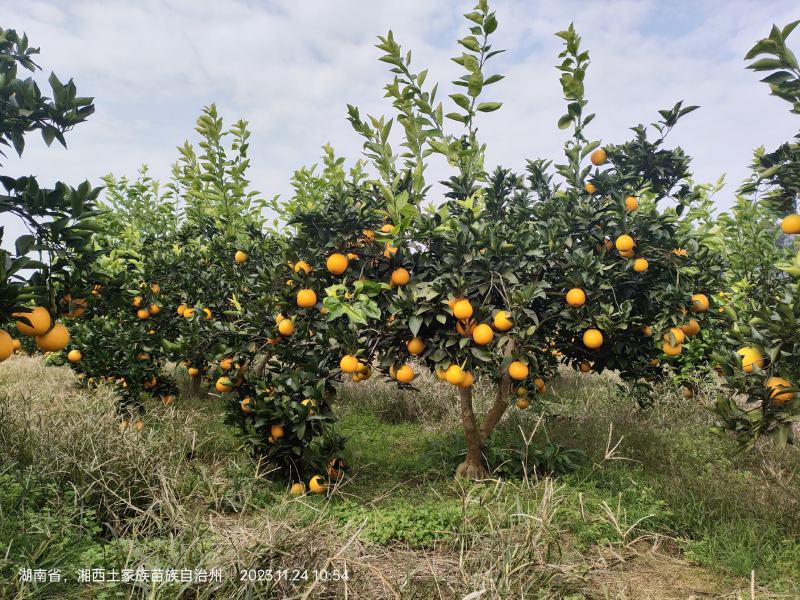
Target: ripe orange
[(79, 305), (467, 381), (415, 346), (671, 350), (592, 338), (39, 320), (348, 364), (154, 309), (54, 340), (791, 224), (454, 374), (137, 301), (691, 328), (647, 331), (598, 157), (337, 263), (240, 257), (74, 356), (462, 309), (405, 374), (155, 288), (387, 228), (482, 334), (276, 431), (207, 314), (631, 203), (369, 235), (223, 385), (522, 403), (502, 321), (441, 374), (297, 489), (465, 328), (539, 383), (640, 265), (301, 264), (286, 327), (576, 297), (143, 314), (182, 309), (193, 371), (400, 277), (518, 370), (774, 384), (752, 359), (590, 188), (627, 253), (306, 298), (675, 336), (188, 313), (246, 405), (624, 243), (6, 345), (699, 303), (317, 485), (226, 363)]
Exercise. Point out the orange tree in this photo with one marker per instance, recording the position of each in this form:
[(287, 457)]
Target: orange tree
[(509, 274), (765, 367), (59, 221)]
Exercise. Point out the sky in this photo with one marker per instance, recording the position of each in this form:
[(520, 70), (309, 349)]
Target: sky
[(290, 68)]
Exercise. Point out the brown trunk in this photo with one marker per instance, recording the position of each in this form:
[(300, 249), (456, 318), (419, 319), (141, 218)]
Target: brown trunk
[(193, 387), (260, 367), (472, 467), (500, 400)]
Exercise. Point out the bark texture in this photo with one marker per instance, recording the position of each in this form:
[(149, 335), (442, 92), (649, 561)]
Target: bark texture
[(500, 399), (472, 467)]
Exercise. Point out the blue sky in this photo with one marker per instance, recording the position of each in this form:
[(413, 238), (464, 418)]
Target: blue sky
[(291, 67)]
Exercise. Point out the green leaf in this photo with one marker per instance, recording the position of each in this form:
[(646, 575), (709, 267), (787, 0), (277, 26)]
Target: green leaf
[(488, 106)]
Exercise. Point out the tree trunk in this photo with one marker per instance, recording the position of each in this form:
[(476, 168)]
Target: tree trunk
[(261, 366), (193, 387), (472, 467), (500, 400)]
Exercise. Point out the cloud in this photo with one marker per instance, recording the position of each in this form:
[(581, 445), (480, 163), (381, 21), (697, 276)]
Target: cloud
[(290, 69)]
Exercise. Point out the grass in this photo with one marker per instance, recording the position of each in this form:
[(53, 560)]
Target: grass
[(597, 499)]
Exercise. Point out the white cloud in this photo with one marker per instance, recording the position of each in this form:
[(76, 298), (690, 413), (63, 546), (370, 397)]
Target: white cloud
[(290, 68)]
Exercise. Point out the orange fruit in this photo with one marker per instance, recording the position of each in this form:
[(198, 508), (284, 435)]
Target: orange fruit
[(182, 309), (631, 204), (791, 224), (79, 307), (774, 384), (337, 263), (598, 157), (576, 297), (647, 331), (193, 371), (223, 385), (671, 350), (54, 340), (137, 301), (482, 334), (369, 235), (592, 338), (624, 243), (691, 328), (39, 320), (154, 309), (400, 277), (297, 489), (143, 313), (74, 356), (188, 313), (276, 431), (6, 345), (387, 228), (454, 374), (240, 257), (415, 346), (518, 370), (155, 288), (225, 364), (640, 265), (752, 359), (675, 336), (286, 327), (467, 381), (16, 343), (522, 403), (405, 374), (502, 321), (627, 253), (699, 303), (462, 309), (465, 328), (317, 485), (539, 383), (590, 188), (301, 264), (306, 298), (348, 364)]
